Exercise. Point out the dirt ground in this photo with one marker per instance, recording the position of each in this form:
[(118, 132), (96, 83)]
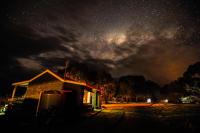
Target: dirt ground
[(120, 118)]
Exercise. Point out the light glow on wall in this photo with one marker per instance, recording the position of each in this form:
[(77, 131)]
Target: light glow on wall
[(88, 97)]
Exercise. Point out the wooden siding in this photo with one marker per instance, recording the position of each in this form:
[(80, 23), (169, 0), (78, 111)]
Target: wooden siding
[(44, 83)]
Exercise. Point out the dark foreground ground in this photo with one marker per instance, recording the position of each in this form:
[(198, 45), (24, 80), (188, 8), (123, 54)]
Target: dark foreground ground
[(117, 118)]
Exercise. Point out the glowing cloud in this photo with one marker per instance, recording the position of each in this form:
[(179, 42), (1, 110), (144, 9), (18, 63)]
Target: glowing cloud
[(116, 38)]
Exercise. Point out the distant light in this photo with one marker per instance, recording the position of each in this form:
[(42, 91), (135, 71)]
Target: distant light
[(166, 100), (148, 100)]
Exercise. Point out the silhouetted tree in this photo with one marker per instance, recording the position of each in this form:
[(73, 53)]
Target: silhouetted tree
[(188, 84)]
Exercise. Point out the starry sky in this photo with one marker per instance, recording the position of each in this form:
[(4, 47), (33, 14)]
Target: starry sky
[(154, 38)]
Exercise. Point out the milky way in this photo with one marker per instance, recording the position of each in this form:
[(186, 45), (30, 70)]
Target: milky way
[(157, 39)]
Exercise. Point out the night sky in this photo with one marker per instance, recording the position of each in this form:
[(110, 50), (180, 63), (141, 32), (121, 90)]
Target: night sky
[(154, 38)]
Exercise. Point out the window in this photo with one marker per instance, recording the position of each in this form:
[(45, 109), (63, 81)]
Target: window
[(20, 91), (87, 97)]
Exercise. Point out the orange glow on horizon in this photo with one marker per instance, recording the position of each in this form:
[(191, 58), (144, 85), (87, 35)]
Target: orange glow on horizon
[(121, 105)]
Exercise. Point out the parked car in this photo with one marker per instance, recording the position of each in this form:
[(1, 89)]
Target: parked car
[(22, 108), (190, 99)]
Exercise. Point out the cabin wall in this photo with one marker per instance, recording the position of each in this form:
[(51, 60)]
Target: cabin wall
[(34, 89)]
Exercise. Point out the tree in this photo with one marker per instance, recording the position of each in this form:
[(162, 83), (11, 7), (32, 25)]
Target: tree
[(187, 85)]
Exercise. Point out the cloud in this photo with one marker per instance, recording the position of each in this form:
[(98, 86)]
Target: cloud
[(145, 51), (26, 42), (160, 55), (160, 60), (29, 63), (120, 37), (54, 54), (140, 38), (168, 33)]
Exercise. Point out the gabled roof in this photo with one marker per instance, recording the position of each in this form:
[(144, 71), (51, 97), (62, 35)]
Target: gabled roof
[(26, 82), (39, 75)]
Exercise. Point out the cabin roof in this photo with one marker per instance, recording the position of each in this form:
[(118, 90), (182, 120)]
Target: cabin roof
[(26, 82)]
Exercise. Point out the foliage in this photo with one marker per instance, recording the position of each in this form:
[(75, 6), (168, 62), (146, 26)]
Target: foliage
[(187, 85), (136, 88)]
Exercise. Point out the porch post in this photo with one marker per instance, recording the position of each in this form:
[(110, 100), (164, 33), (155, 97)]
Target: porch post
[(94, 99), (13, 93), (98, 100)]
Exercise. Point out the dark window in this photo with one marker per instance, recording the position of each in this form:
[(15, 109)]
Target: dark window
[(20, 91)]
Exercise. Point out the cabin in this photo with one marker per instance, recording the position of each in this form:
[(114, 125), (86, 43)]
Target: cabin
[(48, 88)]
